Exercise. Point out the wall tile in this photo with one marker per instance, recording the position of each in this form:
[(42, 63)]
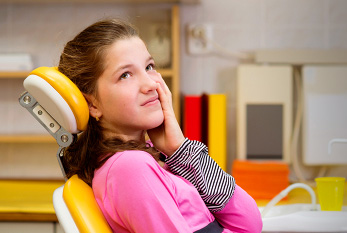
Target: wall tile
[(193, 70), (20, 121), (4, 106), (27, 227), (294, 12), (297, 38), (14, 119), (4, 25), (45, 36), (338, 12), (29, 161), (192, 14), (237, 38), (232, 12), (338, 38)]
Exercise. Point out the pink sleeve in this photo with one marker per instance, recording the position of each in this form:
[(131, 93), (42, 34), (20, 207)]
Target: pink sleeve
[(144, 195), (240, 214)]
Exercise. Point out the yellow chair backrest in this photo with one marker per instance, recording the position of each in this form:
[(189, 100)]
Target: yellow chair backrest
[(84, 209)]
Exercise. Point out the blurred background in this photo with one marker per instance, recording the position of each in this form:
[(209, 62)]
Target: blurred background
[(200, 47)]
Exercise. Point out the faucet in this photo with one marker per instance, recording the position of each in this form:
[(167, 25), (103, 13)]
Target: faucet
[(335, 140), (285, 192)]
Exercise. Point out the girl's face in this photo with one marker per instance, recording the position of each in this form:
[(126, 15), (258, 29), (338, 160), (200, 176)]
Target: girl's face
[(127, 102)]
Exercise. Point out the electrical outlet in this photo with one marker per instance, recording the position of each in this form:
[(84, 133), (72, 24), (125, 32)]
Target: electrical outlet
[(199, 39)]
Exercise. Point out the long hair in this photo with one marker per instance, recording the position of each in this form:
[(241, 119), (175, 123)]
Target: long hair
[(82, 60)]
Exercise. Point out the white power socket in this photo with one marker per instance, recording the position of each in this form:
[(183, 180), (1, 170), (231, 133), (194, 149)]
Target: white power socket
[(199, 39)]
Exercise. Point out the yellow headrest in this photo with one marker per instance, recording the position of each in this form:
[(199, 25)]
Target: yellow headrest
[(69, 91)]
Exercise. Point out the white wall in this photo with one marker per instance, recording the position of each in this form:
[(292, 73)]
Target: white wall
[(239, 25)]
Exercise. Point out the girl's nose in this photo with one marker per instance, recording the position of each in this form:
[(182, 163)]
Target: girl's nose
[(148, 83)]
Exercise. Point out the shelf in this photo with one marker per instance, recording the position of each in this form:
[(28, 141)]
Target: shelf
[(26, 139), (14, 74), (27, 217), (103, 1), (28, 200), (24, 74)]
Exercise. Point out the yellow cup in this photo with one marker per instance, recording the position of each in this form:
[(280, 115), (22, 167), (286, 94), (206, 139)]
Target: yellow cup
[(330, 193)]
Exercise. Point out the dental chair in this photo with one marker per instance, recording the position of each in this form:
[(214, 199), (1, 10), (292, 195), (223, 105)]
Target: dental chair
[(59, 106)]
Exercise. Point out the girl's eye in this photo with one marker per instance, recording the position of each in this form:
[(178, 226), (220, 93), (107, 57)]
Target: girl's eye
[(150, 67), (125, 75)]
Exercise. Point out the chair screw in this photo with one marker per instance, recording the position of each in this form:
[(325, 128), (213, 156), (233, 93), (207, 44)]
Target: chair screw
[(27, 99), (64, 138)]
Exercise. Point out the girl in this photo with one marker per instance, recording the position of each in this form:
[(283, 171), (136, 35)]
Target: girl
[(171, 185)]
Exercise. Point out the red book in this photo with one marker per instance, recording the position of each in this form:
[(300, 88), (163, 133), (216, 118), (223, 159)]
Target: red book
[(192, 117)]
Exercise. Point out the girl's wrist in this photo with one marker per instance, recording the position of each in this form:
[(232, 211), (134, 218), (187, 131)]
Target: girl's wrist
[(172, 151)]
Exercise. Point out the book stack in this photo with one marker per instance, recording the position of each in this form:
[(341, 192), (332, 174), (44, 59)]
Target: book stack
[(261, 180), (204, 119)]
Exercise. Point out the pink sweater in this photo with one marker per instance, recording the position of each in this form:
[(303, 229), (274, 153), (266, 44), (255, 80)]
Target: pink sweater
[(137, 195)]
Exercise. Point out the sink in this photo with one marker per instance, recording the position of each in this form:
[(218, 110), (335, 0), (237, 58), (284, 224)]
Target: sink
[(301, 218)]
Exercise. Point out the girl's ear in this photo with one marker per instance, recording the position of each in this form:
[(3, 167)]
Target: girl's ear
[(93, 105)]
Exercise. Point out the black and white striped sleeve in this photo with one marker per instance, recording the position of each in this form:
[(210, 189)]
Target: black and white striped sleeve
[(192, 162)]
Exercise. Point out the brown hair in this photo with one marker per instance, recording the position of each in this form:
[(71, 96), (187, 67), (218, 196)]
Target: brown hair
[(82, 60)]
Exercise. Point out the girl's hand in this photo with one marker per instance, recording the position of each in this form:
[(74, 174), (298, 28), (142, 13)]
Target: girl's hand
[(168, 136)]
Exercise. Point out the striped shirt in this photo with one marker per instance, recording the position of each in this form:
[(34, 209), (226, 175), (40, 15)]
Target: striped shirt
[(192, 162)]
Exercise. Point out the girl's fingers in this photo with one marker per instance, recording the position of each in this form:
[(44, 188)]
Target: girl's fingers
[(164, 85), (168, 93), (166, 88), (164, 94), (163, 97)]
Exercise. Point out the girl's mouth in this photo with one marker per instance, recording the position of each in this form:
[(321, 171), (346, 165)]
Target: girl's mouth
[(151, 101)]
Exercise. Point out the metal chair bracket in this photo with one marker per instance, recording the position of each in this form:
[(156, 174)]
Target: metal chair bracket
[(62, 136)]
